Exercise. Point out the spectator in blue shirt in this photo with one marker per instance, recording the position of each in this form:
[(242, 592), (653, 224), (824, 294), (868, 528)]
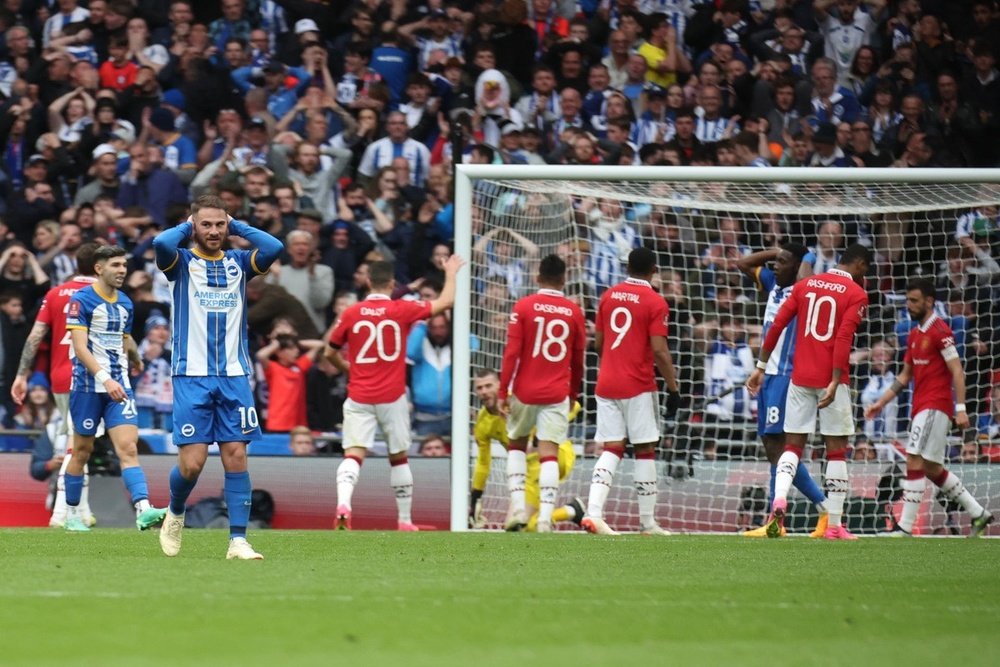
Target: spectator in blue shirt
[(281, 96), (150, 186)]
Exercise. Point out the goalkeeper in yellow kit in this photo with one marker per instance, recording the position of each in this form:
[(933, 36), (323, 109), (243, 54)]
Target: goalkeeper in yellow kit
[(490, 426)]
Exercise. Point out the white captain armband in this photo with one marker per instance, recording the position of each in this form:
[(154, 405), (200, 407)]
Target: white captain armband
[(949, 353)]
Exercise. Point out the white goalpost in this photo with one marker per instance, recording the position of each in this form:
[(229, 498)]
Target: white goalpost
[(942, 224)]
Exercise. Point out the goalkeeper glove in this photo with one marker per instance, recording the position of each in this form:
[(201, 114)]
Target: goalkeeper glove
[(673, 402)]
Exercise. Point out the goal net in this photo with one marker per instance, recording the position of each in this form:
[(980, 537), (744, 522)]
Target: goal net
[(713, 475)]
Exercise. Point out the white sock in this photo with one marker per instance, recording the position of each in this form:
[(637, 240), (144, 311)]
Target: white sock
[(600, 483), (837, 484), (85, 496), (913, 494), (788, 464), (953, 489), (401, 481), (142, 506), (517, 470), (347, 479), (548, 489), (645, 489)]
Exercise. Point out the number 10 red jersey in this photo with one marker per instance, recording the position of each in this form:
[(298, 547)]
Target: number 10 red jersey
[(545, 346), (828, 308), (375, 332)]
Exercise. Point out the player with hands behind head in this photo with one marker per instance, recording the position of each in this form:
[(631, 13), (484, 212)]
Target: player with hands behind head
[(211, 363)]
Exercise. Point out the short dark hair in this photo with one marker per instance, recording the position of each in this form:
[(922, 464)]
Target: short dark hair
[(552, 269), (641, 262), (85, 258), (923, 285), (748, 140), (381, 273), (208, 201), (106, 252), (798, 250), (856, 252), (484, 372)]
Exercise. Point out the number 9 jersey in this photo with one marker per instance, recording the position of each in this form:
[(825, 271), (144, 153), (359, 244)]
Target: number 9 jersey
[(628, 314), (374, 332)]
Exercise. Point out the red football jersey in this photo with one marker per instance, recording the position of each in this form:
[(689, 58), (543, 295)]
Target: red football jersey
[(53, 313), (928, 350), (828, 309), (628, 314), (375, 332), (543, 360)]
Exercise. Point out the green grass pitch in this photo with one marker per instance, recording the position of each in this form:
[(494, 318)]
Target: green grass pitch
[(371, 598)]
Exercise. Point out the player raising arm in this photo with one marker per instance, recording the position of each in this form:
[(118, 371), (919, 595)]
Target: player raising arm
[(374, 332), (51, 324), (632, 326), (99, 321), (933, 362), (828, 309), (210, 362), (789, 261), (539, 381)]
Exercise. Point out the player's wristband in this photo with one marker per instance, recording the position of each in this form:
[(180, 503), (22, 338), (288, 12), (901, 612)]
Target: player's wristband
[(102, 376), (960, 407), (762, 365), (896, 387)]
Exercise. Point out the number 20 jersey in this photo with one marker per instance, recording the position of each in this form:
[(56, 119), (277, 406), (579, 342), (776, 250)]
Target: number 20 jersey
[(628, 314), (374, 332)]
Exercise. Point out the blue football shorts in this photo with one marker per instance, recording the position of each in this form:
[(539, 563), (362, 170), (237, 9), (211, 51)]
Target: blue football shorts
[(214, 409), (771, 405), (88, 409)]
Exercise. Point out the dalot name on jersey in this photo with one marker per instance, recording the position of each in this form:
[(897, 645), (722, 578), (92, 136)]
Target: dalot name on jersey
[(373, 312)]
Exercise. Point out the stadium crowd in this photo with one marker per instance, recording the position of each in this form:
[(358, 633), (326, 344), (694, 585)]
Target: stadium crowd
[(331, 125)]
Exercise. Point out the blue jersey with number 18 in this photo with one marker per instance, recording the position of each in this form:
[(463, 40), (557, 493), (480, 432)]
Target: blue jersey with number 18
[(107, 321), (210, 312)]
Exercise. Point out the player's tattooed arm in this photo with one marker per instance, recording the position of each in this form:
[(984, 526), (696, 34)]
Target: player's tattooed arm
[(19, 387), (38, 333)]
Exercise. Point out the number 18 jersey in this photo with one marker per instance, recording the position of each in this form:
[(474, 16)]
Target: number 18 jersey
[(628, 314), (543, 360), (375, 332)]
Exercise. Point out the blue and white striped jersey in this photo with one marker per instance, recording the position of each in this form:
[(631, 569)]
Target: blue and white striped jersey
[(780, 361), (107, 322), (209, 295), (210, 319)]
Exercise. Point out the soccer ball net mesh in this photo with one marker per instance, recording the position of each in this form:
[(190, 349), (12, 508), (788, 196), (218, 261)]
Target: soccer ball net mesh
[(713, 475)]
